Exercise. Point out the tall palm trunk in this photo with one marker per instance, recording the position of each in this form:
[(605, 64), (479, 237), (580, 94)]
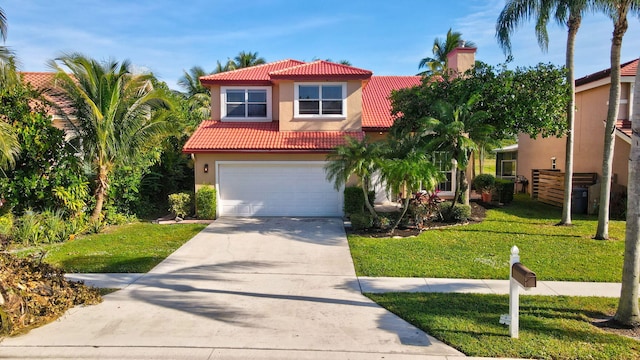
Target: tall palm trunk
[(101, 191), (573, 24), (367, 203), (628, 312), (620, 27)]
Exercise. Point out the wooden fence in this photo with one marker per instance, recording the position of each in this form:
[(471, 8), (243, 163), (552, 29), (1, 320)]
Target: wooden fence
[(548, 185)]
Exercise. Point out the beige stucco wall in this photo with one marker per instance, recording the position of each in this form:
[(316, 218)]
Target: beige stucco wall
[(352, 122), (215, 102), (591, 112)]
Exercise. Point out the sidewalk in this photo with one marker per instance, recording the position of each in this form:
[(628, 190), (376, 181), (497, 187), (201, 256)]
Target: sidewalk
[(392, 284)]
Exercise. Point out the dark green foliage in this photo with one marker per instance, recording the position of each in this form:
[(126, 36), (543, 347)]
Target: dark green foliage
[(504, 190), (181, 204), (206, 202), (46, 162), (354, 200), (531, 100), (361, 220), (459, 212), (484, 182)]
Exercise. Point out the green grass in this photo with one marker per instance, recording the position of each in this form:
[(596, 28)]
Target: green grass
[(130, 248), (481, 251), (550, 327)]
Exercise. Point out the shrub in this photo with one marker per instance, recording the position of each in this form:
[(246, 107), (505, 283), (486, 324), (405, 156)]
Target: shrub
[(181, 204), (484, 182), (206, 202), (77, 224), (53, 226), (354, 201), (6, 224), (361, 220), (504, 190), (28, 229), (95, 226), (115, 218), (459, 213)]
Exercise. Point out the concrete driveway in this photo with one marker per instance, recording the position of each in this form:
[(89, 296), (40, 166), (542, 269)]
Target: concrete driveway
[(266, 288)]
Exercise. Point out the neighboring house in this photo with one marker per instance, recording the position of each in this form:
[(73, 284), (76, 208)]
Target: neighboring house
[(273, 126), (507, 162), (60, 109), (592, 95)]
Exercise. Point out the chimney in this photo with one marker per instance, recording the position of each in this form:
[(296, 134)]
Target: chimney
[(461, 58)]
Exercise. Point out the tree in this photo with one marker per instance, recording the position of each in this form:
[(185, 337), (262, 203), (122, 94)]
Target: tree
[(438, 63), (4, 52), (565, 12), (355, 157), (199, 97), (247, 59), (617, 10), (406, 169), (450, 132), (628, 312), (116, 111)]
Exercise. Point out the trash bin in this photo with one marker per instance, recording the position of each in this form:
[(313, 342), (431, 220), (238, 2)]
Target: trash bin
[(579, 200)]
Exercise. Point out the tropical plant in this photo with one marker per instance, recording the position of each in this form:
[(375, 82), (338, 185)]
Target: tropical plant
[(628, 312), (617, 10), (450, 132), (565, 12), (355, 157), (116, 113), (5, 54), (246, 59), (441, 48), (199, 97)]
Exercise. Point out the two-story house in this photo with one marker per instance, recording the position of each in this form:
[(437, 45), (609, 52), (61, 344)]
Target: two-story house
[(273, 125), (592, 100)]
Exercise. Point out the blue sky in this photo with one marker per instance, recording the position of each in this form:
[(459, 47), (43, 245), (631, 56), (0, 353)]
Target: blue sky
[(387, 37)]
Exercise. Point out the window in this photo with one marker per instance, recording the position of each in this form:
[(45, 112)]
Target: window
[(320, 100), (442, 160), (508, 169), (241, 104)]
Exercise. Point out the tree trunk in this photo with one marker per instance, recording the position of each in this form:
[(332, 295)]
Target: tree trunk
[(365, 190), (101, 190), (404, 212), (628, 312), (481, 160), (620, 27), (573, 24), (473, 164)]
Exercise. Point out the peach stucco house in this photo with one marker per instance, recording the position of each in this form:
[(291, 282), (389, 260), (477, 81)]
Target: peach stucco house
[(273, 125), (592, 95)]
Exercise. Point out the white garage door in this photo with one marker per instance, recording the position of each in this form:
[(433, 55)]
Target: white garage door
[(276, 189)]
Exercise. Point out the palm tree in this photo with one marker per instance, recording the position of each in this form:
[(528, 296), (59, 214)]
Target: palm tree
[(628, 312), (565, 12), (9, 146), (116, 113), (5, 54), (405, 168), (617, 10), (450, 133), (198, 95), (246, 59), (229, 65), (355, 157), (438, 63)]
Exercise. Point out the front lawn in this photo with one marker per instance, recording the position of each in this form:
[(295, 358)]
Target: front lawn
[(131, 248), (550, 327), (481, 251)]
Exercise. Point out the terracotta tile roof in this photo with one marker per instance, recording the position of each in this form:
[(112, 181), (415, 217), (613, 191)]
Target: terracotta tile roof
[(376, 105), (627, 69), (320, 70), (252, 75), (216, 136), (624, 126), (46, 82)]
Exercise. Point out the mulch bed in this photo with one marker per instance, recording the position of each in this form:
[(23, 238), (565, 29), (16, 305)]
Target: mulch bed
[(478, 213)]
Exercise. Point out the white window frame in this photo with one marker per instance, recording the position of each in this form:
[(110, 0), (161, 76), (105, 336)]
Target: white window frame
[(223, 103), (515, 168), (296, 103), (453, 171)]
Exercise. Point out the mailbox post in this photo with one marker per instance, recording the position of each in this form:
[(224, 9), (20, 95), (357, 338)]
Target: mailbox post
[(519, 275)]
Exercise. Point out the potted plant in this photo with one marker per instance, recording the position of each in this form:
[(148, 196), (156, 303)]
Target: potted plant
[(484, 183)]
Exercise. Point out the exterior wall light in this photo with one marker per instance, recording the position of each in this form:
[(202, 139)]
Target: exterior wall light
[(206, 168)]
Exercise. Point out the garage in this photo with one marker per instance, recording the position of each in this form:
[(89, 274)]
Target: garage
[(267, 188)]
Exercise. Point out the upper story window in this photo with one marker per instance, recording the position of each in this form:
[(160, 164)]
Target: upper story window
[(326, 100), (251, 103)]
